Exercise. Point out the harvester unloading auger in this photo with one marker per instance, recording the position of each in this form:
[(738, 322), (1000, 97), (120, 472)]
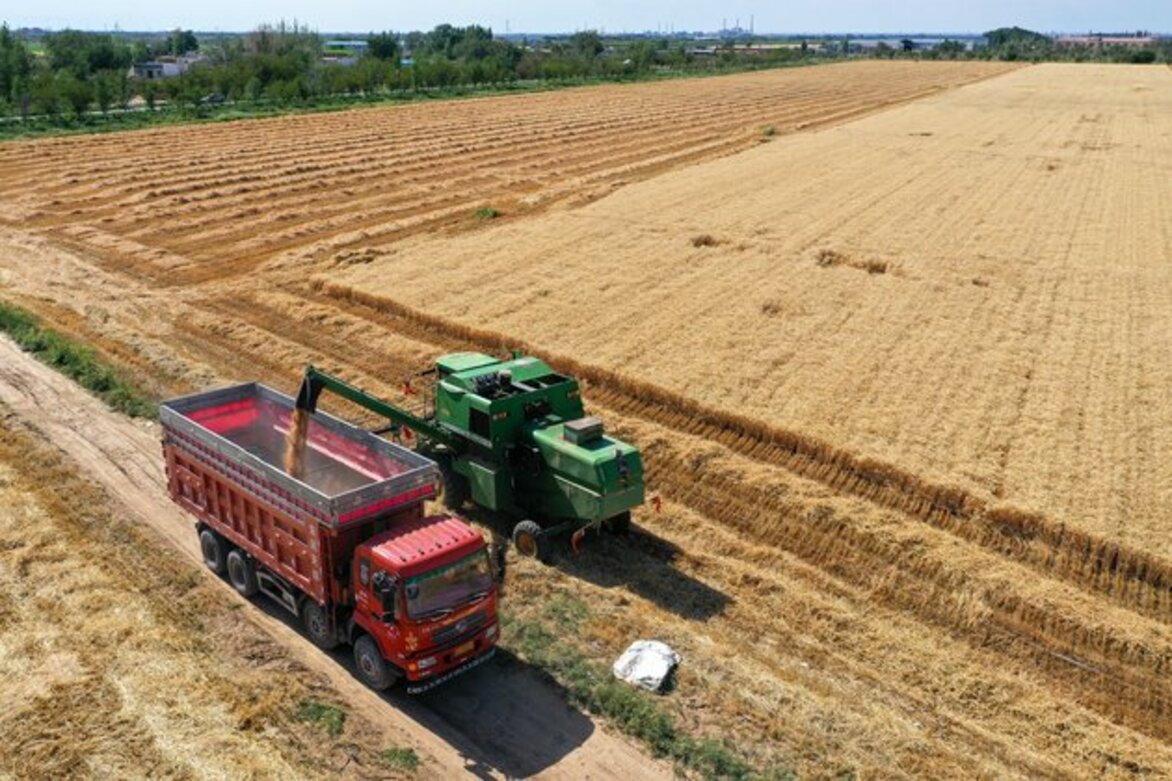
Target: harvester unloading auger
[(512, 436)]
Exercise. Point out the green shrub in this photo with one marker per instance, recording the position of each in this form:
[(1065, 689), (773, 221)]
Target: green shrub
[(77, 361), (401, 758), (331, 717)]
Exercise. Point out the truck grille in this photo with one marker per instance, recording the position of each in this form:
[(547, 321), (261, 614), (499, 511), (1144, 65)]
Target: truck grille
[(461, 629)]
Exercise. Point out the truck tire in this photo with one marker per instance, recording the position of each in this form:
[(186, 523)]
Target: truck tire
[(620, 525), (213, 548), (531, 541), (372, 668), (242, 573), (455, 485), (317, 626)]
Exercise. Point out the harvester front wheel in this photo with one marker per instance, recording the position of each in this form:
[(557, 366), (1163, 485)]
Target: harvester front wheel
[(317, 626), (531, 541), (372, 668), (455, 485), (211, 545)]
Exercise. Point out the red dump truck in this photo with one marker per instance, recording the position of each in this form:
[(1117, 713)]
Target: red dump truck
[(346, 547)]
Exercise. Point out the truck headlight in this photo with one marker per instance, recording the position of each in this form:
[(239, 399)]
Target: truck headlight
[(491, 633), (426, 663)]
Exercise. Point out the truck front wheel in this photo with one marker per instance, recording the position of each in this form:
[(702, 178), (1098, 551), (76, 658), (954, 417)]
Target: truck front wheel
[(372, 668), (242, 573), (531, 541), (317, 626), (212, 546)]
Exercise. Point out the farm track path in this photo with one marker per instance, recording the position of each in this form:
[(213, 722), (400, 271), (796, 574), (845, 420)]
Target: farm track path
[(458, 735)]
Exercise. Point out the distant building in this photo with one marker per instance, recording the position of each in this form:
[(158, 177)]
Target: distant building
[(166, 67), (354, 46), (146, 71), (1098, 41)]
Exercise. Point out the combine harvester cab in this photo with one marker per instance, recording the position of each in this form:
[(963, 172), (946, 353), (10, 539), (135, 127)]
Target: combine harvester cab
[(346, 547)]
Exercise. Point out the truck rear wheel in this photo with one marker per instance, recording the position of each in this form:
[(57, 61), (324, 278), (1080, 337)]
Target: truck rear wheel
[(317, 626), (372, 667), (212, 546), (242, 573), (531, 541)]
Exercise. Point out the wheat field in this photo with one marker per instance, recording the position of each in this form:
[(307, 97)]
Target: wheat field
[(898, 370), (973, 287)]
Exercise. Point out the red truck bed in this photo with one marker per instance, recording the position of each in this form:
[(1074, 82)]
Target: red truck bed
[(224, 452)]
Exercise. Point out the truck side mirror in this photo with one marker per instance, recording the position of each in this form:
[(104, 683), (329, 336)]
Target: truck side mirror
[(496, 553), (386, 588)]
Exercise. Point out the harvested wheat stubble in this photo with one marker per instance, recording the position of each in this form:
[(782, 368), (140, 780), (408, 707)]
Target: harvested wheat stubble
[(1041, 389), (1041, 627), (917, 624), (218, 199)]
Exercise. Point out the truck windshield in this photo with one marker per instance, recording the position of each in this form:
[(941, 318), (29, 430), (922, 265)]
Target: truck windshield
[(442, 591)]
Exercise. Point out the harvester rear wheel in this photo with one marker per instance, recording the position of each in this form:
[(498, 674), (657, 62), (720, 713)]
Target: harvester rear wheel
[(455, 485), (212, 546), (242, 573), (531, 541), (620, 524), (317, 626)]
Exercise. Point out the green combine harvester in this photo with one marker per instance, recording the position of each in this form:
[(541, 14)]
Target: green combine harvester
[(512, 435)]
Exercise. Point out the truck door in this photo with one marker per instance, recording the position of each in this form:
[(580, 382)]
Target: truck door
[(366, 604), (371, 583)]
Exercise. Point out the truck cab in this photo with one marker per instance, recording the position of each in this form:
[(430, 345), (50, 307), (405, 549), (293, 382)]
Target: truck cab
[(425, 603)]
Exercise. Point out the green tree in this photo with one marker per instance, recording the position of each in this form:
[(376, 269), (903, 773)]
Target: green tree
[(182, 42), (384, 46), (150, 93), (105, 90), (587, 43), (951, 49), (77, 94), (643, 54), (43, 91)]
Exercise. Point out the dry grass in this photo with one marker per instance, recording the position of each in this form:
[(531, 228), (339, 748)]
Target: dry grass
[(119, 661)]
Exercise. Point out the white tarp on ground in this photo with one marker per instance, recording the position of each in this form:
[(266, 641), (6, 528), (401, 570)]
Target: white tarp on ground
[(646, 664)]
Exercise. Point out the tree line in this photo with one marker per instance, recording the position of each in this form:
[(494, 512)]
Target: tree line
[(72, 74), (68, 76)]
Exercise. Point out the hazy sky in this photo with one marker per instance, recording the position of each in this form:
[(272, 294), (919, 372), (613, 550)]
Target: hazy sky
[(609, 15)]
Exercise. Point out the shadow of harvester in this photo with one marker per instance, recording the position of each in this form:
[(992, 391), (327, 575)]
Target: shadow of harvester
[(647, 566)]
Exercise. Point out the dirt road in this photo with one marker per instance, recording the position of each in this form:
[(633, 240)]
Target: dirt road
[(501, 721)]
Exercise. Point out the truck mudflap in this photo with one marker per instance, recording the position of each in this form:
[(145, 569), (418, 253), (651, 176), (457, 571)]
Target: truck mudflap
[(419, 688)]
